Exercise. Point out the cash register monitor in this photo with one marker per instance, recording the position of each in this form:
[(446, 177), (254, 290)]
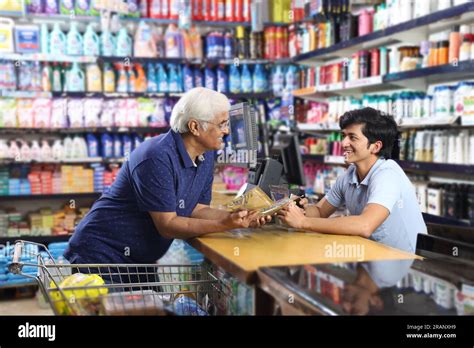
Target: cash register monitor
[(243, 131), (287, 148)]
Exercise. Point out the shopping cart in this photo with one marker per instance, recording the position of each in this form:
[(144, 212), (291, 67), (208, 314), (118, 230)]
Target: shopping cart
[(120, 289)]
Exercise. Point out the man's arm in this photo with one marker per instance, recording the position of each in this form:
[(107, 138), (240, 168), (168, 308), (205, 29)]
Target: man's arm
[(203, 211), (323, 209), (170, 225), (360, 225)]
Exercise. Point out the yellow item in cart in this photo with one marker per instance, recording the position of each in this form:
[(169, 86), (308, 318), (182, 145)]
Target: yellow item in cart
[(80, 301)]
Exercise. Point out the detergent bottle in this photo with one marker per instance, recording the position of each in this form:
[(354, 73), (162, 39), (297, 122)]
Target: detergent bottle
[(152, 86), (188, 78), (140, 83), (162, 79), (124, 44), (75, 42), (57, 43), (132, 79), (122, 80), (234, 80), (107, 43), (91, 42), (109, 78), (222, 80), (246, 79), (144, 44), (75, 79), (94, 78), (44, 38)]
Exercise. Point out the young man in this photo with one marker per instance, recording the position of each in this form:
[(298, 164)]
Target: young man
[(379, 196)]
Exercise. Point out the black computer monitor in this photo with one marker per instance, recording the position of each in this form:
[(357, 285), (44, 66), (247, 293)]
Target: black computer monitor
[(243, 131), (287, 148)]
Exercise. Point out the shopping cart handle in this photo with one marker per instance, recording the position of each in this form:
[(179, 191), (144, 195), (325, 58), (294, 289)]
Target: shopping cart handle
[(15, 267)]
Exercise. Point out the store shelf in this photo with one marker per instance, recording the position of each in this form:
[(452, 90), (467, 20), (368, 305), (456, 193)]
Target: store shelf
[(429, 167), (8, 285), (36, 239), (65, 161), (94, 195), (318, 127), (442, 220), (413, 31), (140, 130), (262, 95), (115, 95), (326, 159), (39, 57), (417, 79)]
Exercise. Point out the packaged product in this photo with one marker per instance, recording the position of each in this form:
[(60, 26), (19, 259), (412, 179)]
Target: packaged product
[(75, 111), (92, 110), (59, 113), (107, 118), (42, 112), (146, 302), (25, 113), (8, 108), (78, 301)]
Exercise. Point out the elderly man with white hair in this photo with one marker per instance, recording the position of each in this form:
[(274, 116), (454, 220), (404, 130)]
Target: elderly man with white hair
[(163, 191)]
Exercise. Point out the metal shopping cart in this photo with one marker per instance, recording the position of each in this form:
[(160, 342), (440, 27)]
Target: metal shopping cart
[(125, 289)]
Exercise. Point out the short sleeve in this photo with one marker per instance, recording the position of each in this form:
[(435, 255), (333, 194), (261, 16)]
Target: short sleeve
[(335, 197), (154, 186), (384, 189)]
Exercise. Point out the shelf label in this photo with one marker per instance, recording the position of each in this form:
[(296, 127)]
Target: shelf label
[(334, 159), (368, 81)]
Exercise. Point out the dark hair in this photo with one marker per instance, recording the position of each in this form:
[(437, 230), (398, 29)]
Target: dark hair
[(377, 126)]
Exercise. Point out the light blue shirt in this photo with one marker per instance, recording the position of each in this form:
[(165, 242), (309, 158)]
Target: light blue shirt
[(385, 184)]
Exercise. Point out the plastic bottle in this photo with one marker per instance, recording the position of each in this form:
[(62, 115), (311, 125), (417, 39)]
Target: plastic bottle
[(188, 78), (91, 42), (124, 44), (75, 79), (234, 80), (246, 79), (127, 145), (210, 80), (172, 42), (107, 145), (46, 78), (94, 78), (92, 145), (152, 86), (141, 81), (68, 147), (57, 82), (260, 80), (51, 7), (109, 78), (155, 9), (162, 79), (75, 42), (222, 80), (57, 151), (455, 41), (229, 10), (44, 38), (122, 80), (35, 150), (132, 79), (57, 44), (196, 43), (198, 78), (228, 46), (277, 80), (144, 44), (173, 79), (107, 43), (117, 146)]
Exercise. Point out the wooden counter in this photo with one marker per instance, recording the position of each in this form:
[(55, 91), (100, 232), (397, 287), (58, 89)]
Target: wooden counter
[(242, 252)]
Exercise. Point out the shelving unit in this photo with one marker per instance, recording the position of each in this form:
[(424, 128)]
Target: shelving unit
[(92, 195), (36, 239), (73, 130), (66, 161), (415, 30)]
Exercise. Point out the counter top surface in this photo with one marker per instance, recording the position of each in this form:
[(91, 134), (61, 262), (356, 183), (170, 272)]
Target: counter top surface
[(242, 252)]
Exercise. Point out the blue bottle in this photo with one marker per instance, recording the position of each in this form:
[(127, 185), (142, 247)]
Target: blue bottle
[(210, 80), (127, 145), (107, 145), (117, 146), (222, 80), (92, 146), (188, 78), (234, 80), (246, 79), (162, 79), (152, 86), (290, 78), (260, 83), (198, 78), (173, 79)]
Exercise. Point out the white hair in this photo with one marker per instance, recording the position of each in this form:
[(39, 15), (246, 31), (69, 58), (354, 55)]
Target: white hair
[(200, 104)]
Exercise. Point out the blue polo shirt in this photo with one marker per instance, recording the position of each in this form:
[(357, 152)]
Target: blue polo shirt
[(159, 177), (385, 184)]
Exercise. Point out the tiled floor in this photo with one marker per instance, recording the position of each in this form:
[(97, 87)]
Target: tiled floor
[(28, 306)]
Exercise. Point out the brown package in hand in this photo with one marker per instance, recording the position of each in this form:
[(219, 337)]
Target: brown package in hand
[(254, 199), (145, 302)]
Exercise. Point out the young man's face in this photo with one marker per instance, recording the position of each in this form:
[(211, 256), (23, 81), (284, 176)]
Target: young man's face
[(212, 137), (355, 144)]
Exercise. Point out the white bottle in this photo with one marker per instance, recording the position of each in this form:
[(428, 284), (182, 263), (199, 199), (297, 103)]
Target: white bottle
[(14, 151), (3, 149), (452, 150), (35, 150), (46, 154), (77, 147), (471, 149), (58, 150), (68, 148)]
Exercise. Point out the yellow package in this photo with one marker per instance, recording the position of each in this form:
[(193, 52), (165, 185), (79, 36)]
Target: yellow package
[(254, 199), (80, 300)]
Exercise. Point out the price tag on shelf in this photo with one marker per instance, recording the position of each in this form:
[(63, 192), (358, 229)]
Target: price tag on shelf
[(334, 159), (368, 81)]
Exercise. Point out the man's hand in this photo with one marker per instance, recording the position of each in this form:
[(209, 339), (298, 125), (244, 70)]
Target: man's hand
[(259, 222), (240, 219), (292, 216)]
